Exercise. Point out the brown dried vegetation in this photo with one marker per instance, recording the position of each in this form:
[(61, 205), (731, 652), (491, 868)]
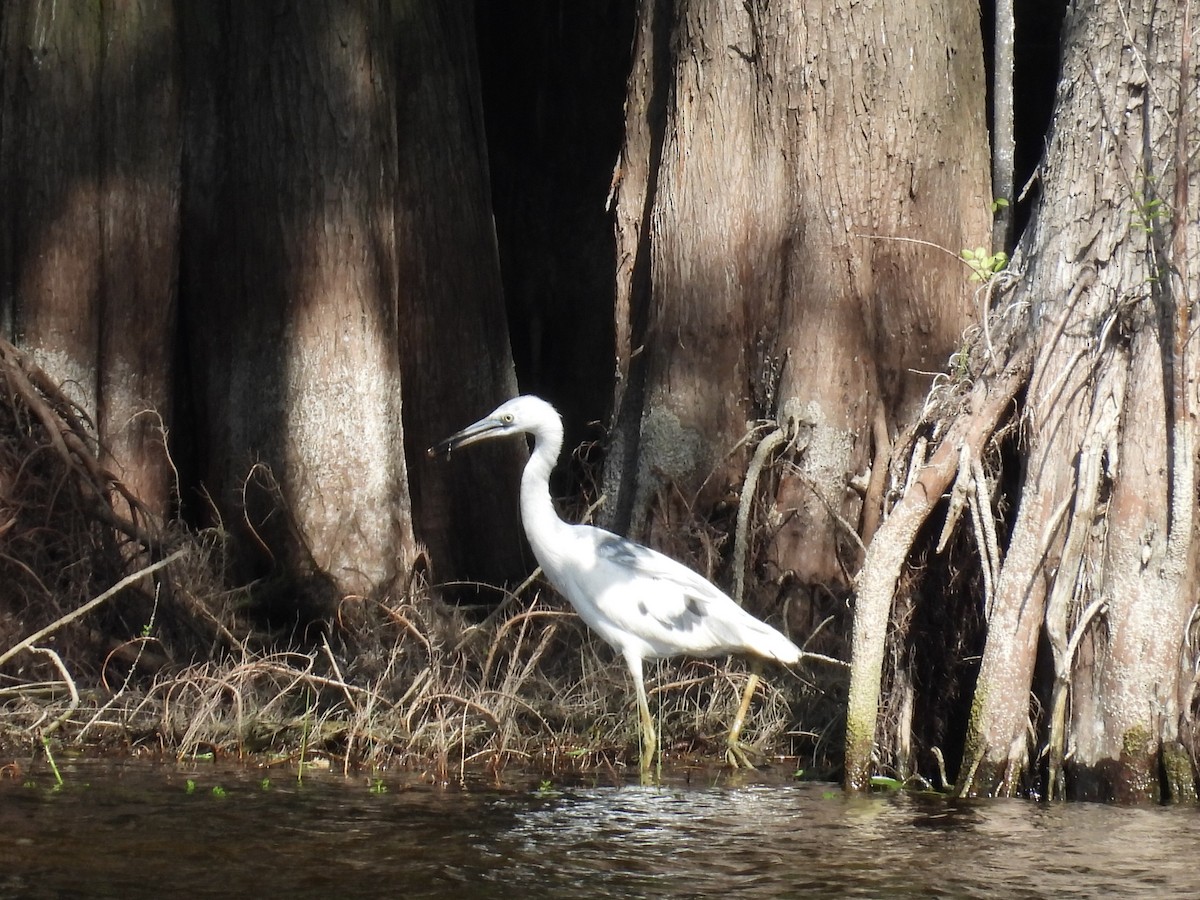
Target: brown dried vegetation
[(118, 632)]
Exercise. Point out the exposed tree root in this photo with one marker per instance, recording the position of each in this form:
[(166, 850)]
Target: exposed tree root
[(990, 400)]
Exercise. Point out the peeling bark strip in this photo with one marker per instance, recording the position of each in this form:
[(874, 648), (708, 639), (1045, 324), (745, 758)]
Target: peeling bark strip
[(1103, 553), (768, 147)]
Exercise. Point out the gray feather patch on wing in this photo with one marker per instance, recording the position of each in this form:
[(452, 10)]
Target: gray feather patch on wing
[(641, 561)]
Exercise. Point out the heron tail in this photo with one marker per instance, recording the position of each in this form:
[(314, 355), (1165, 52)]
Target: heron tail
[(770, 643)]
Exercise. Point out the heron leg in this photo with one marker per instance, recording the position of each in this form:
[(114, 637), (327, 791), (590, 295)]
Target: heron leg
[(735, 753), (649, 736)]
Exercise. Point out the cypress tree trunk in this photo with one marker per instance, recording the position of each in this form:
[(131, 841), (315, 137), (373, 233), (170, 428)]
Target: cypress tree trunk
[(141, 105), (454, 348), (89, 157), (290, 278), (50, 152), (773, 156), (791, 201), (1102, 558)]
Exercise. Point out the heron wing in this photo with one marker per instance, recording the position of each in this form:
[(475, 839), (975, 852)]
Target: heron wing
[(670, 608)]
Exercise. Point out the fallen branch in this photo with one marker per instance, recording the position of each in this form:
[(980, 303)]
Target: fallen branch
[(82, 611)]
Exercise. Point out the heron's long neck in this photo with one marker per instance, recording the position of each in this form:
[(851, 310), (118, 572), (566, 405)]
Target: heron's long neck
[(537, 511)]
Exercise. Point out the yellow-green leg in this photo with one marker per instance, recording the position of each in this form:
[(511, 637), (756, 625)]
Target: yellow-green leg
[(735, 753), (649, 734)]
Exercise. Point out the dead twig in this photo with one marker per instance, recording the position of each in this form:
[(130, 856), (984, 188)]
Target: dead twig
[(87, 607)]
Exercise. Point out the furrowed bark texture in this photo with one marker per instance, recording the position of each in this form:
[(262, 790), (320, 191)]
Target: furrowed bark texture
[(773, 152), (1127, 744), (455, 353), (787, 181), (1103, 550), (291, 275), (271, 142), (90, 156), (50, 162), (140, 94)]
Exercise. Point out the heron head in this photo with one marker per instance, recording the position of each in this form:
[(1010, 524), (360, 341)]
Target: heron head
[(526, 414)]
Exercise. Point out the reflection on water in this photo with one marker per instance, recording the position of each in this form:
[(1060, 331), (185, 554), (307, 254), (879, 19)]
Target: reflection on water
[(137, 831)]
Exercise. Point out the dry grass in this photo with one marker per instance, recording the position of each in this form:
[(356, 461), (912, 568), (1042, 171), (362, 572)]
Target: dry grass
[(173, 666), (534, 691)]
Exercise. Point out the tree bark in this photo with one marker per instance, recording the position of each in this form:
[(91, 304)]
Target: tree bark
[(1103, 551), (779, 160), (89, 152), (791, 201), (1129, 746), (290, 278), (50, 163), (456, 360), (140, 101)]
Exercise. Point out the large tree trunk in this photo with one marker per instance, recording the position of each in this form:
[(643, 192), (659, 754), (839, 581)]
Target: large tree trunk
[(774, 154), (455, 354), (89, 155), (290, 281), (793, 195), (140, 96), (290, 274), (50, 163), (1103, 552), (1128, 740)]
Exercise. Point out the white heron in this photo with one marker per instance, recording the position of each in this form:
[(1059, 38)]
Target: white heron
[(643, 604)]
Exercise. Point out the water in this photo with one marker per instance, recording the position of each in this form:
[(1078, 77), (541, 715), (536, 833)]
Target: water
[(137, 830)]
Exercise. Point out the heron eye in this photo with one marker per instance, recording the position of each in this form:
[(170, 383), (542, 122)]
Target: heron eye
[(507, 418)]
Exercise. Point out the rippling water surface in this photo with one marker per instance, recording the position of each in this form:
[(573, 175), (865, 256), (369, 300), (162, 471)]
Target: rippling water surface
[(138, 830)]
